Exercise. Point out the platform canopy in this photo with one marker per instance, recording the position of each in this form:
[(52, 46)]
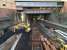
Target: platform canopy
[(39, 3)]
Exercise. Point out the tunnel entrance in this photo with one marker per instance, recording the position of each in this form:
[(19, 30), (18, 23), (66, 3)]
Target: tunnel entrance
[(38, 10), (35, 17)]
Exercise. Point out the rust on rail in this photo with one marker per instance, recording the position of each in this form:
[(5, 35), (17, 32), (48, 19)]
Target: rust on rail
[(46, 43)]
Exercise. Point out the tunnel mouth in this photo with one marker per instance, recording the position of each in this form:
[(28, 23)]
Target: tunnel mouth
[(44, 16)]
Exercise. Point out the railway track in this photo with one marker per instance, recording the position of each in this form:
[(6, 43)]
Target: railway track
[(39, 42), (36, 43)]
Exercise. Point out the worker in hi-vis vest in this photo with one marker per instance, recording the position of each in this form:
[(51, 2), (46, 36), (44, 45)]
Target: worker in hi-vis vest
[(18, 28), (27, 27)]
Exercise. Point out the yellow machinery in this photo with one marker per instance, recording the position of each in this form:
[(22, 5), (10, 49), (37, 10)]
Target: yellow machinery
[(63, 45), (24, 23), (27, 27)]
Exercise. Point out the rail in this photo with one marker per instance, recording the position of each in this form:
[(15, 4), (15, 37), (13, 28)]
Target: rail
[(46, 40), (62, 35), (46, 44), (15, 44), (54, 25), (39, 42)]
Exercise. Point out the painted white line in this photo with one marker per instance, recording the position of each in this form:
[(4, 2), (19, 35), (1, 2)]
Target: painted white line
[(14, 46)]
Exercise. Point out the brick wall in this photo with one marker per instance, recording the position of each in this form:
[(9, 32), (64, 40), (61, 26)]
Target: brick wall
[(7, 7), (9, 4), (64, 9), (6, 12)]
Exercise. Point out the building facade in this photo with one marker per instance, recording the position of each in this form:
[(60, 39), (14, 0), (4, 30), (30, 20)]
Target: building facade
[(7, 13), (7, 7), (64, 9), (10, 4)]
